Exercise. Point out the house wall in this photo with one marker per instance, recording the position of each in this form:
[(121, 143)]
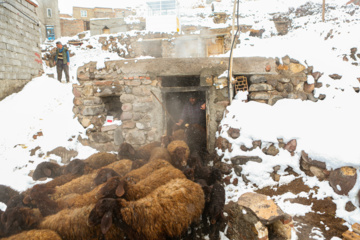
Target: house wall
[(77, 13), (20, 55), (71, 27), (54, 20), (114, 24)]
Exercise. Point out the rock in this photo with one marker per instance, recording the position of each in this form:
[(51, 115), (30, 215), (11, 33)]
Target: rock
[(135, 137), (264, 208), (342, 180), (241, 160), (259, 96), (255, 79), (256, 143), (223, 144), (291, 145), (271, 150), (280, 87), (316, 75), (309, 88), (353, 50), (310, 162), (260, 87), (286, 60), (349, 206), (288, 87), (65, 154), (335, 76), (234, 132), (318, 172), (100, 137), (225, 168), (236, 181), (93, 110), (296, 68), (238, 170)]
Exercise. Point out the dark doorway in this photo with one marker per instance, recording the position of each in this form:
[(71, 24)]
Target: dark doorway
[(113, 106)]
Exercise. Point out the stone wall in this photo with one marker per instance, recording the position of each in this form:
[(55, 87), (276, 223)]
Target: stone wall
[(290, 82), (129, 82), (20, 58), (71, 27)]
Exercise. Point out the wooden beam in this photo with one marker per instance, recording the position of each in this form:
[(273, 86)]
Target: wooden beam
[(184, 89)]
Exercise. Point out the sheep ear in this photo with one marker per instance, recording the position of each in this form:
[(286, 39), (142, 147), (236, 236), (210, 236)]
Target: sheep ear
[(106, 222), (120, 189), (26, 200), (131, 150), (47, 172)]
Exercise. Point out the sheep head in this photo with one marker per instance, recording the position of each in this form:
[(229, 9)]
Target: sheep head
[(18, 219), (104, 175), (46, 169), (38, 196), (103, 213), (180, 157), (114, 187), (76, 166), (126, 151)]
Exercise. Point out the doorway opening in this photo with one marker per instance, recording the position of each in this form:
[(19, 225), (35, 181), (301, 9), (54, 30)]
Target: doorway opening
[(177, 91)]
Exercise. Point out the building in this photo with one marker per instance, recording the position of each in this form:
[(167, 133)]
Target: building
[(20, 58), (49, 17), (163, 16)]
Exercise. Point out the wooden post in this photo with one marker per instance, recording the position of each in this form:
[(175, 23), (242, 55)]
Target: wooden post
[(231, 90), (323, 11)]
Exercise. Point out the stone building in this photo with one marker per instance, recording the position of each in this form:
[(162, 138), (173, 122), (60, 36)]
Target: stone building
[(20, 58), (126, 90), (49, 17)]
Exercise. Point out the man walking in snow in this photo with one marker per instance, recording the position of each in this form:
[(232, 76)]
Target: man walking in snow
[(62, 61)]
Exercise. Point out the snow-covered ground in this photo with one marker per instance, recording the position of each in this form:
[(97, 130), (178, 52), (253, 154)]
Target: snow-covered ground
[(327, 130)]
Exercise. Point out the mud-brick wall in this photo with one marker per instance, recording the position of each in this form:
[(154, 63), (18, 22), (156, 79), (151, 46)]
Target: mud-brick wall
[(138, 110), (20, 58)]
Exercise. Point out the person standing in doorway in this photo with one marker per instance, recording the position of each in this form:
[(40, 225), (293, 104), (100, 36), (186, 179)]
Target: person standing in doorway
[(62, 61), (193, 112)]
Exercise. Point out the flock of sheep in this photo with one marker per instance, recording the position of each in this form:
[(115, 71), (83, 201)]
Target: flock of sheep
[(162, 190)]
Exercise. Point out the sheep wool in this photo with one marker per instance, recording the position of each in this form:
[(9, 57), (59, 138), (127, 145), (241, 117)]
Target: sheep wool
[(100, 159), (138, 174), (152, 182), (86, 182), (178, 143), (71, 224), (44, 234), (167, 211), (160, 153)]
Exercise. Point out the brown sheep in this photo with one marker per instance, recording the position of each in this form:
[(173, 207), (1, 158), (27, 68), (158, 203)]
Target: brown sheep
[(46, 198), (47, 169), (179, 152), (138, 174), (76, 166), (126, 151), (166, 212), (144, 152), (117, 187), (6, 193), (105, 174), (35, 235), (195, 136), (17, 219), (178, 135), (160, 153), (72, 224)]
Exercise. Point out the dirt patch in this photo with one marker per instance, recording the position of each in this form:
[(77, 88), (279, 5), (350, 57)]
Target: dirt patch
[(322, 216)]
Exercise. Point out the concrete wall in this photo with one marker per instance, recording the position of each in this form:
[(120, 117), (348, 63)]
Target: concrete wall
[(20, 58), (54, 20), (71, 27), (114, 24)]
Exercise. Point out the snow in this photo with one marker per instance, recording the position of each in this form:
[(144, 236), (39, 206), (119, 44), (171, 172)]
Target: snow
[(327, 130)]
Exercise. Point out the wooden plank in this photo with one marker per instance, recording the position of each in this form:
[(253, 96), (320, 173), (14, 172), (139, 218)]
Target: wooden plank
[(348, 235), (356, 228)]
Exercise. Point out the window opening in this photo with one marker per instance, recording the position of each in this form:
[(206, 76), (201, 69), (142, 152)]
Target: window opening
[(49, 13), (83, 13)]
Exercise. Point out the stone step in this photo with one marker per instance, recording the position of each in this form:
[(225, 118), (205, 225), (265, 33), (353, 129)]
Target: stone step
[(356, 228), (349, 235)]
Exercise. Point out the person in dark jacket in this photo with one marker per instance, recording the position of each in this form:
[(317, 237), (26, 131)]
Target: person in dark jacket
[(62, 61), (193, 112)]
